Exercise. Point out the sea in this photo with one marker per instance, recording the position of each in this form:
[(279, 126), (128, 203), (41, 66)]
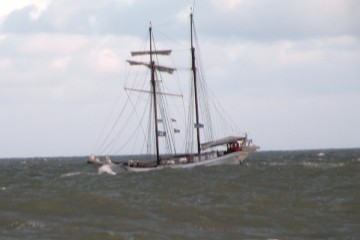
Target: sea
[(272, 195)]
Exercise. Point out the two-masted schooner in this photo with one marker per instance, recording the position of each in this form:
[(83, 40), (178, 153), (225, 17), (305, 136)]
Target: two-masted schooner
[(227, 150)]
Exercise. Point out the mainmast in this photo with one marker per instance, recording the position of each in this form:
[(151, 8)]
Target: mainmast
[(153, 84), (193, 67)]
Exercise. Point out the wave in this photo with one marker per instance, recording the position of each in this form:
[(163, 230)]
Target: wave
[(276, 163), (323, 165), (30, 225), (72, 174)]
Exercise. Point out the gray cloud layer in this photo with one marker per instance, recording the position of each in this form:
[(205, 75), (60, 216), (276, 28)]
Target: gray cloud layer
[(291, 67), (262, 20)]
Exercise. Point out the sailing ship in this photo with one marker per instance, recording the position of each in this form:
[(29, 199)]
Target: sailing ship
[(226, 150)]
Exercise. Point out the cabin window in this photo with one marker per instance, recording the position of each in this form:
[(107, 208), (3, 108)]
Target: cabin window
[(233, 147)]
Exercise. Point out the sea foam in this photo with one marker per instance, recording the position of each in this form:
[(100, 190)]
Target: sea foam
[(71, 174)]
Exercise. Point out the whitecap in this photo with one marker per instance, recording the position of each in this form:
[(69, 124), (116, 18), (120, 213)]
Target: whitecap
[(31, 225), (71, 174), (322, 165), (276, 164), (321, 154)]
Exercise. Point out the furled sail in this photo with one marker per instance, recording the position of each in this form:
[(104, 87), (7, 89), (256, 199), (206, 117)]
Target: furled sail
[(157, 67), (157, 52)]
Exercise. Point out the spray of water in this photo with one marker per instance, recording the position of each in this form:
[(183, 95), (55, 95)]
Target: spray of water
[(108, 169)]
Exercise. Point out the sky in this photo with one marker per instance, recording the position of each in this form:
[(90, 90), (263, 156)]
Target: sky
[(292, 68)]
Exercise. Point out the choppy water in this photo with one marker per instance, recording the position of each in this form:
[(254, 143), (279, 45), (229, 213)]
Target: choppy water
[(275, 195)]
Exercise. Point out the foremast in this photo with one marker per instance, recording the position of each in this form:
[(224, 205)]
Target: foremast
[(193, 68), (154, 91), (153, 84)]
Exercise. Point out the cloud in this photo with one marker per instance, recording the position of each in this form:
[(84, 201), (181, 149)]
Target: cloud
[(294, 65), (231, 5), (90, 17), (241, 19), (5, 63), (61, 63), (281, 62), (7, 7), (273, 20)]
